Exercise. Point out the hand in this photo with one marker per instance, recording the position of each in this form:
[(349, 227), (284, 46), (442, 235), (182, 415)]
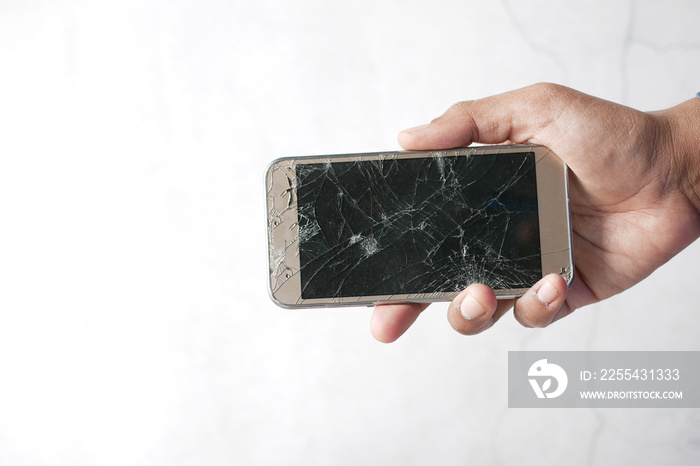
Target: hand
[(632, 190)]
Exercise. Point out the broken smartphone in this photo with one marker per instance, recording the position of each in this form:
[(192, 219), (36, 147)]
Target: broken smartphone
[(360, 229)]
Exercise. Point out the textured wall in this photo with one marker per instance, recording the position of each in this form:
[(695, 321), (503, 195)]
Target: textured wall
[(135, 326)]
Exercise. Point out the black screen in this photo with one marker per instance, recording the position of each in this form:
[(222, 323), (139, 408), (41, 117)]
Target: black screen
[(420, 225)]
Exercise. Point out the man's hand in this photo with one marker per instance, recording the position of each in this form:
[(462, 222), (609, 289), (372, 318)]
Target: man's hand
[(632, 188)]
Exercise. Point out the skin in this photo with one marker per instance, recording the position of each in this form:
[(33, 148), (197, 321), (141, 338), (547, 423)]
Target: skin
[(634, 192)]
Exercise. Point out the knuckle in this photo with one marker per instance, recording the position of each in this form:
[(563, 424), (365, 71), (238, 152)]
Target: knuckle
[(548, 89), (550, 95), (459, 107)]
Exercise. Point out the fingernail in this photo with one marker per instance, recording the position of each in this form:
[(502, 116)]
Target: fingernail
[(471, 309), (547, 294), (415, 129)]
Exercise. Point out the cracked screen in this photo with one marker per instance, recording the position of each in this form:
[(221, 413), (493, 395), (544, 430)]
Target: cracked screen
[(418, 225)]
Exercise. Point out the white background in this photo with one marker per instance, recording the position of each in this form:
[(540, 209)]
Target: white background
[(135, 326)]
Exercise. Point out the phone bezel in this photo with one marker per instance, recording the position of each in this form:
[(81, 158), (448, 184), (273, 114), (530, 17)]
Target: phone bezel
[(284, 284)]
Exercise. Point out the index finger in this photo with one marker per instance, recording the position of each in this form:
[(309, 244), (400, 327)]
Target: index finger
[(517, 116)]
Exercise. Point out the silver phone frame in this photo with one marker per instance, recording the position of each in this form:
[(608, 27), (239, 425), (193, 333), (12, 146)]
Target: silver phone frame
[(284, 281)]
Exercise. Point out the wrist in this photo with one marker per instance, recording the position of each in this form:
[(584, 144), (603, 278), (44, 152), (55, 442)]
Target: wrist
[(682, 140)]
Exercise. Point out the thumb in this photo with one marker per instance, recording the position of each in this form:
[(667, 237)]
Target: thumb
[(518, 116)]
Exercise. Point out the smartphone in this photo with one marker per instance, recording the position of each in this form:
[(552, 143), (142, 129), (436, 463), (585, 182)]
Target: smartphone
[(361, 229)]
